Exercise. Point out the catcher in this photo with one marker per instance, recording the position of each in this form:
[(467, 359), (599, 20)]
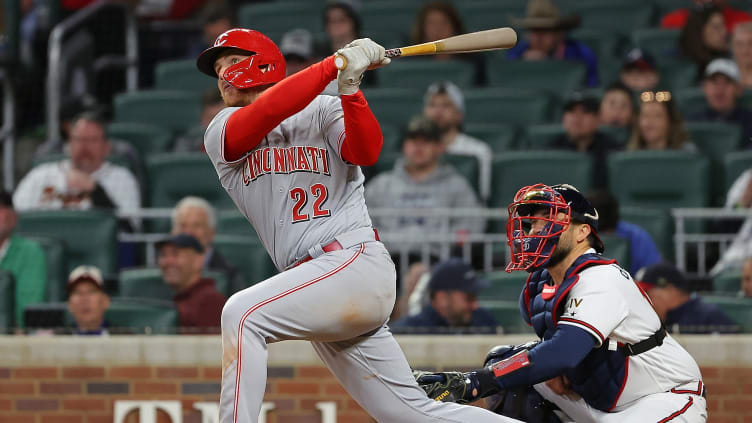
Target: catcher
[(603, 355)]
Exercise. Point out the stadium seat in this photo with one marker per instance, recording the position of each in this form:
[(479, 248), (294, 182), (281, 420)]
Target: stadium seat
[(182, 75), (661, 179), (145, 138), (173, 110), (54, 255), (503, 286), (276, 18), (728, 282), (659, 42), (467, 166), (147, 283), (173, 176), (690, 100), (142, 316), (7, 301), (605, 44), (558, 77), (419, 73), (396, 16), (232, 222), (736, 163), (739, 309), (507, 314), (501, 137), (666, 6), (89, 237), (657, 222), (392, 138), (394, 106), (487, 14), (715, 140), (248, 255), (620, 18), (512, 106), (517, 169), (679, 75), (620, 135), (540, 137), (617, 248)]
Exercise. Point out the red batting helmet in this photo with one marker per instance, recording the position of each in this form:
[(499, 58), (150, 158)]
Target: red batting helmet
[(264, 66)]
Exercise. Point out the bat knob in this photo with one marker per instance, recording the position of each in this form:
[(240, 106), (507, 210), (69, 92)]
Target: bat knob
[(340, 61)]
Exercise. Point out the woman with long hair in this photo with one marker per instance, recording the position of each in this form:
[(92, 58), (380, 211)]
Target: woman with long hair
[(659, 125)]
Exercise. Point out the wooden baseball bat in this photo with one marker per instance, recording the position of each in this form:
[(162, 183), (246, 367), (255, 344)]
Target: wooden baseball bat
[(490, 39)]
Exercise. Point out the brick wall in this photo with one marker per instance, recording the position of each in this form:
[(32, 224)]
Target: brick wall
[(41, 385)]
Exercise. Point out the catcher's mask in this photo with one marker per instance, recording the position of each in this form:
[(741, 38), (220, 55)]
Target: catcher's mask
[(538, 216), (266, 65)]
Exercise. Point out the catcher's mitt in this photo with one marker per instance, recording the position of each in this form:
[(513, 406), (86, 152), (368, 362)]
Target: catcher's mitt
[(447, 386)]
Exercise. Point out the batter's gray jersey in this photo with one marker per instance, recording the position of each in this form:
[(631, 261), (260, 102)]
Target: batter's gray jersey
[(294, 187)]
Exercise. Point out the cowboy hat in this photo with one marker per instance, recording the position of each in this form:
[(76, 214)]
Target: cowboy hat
[(543, 14)]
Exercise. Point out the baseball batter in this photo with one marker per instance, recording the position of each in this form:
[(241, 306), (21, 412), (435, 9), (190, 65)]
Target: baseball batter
[(604, 354), (289, 158)]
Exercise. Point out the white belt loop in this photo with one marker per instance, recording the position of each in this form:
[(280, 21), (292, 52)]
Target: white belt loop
[(315, 251)]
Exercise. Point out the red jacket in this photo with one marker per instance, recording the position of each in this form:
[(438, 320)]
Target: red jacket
[(678, 18), (200, 307)]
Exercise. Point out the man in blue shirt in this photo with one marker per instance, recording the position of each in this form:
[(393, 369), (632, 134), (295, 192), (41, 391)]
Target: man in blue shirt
[(453, 290)]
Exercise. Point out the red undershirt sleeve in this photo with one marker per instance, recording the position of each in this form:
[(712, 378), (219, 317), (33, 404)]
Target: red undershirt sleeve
[(363, 138), (249, 125)]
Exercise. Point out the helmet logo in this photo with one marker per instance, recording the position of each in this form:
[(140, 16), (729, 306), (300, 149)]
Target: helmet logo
[(221, 40)]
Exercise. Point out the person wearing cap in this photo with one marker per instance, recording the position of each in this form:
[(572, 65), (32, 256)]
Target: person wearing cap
[(23, 258), (580, 121), (679, 309), (297, 49), (453, 291), (420, 180), (547, 38), (199, 304), (721, 85), (604, 355), (638, 71), (444, 104), (88, 301)]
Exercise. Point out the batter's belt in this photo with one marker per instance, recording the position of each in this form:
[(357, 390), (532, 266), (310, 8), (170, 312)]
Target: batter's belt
[(341, 242)]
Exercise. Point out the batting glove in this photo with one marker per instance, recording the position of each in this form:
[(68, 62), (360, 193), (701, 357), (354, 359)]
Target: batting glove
[(374, 52), (348, 79), (447, 387)]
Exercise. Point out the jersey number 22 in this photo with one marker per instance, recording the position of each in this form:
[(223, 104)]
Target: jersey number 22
[(300, 196)]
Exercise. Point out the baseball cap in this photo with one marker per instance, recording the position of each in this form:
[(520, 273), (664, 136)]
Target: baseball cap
[(661, 275), (182, 241), (422, 127), (450, 89), (85, 273), (638, 58), (581, 210), (725, 67), (579, 98), (455, 275), (297, 42)]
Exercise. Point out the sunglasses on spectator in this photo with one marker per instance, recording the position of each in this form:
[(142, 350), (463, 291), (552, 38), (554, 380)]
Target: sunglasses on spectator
[(659, 96)]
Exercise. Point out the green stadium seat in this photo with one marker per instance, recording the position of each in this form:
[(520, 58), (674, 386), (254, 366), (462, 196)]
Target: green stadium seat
[(142, 316), (501, 137), (715, 140), (507, 314), (678, 75), (617, 248), (539, 137), (394, 106), (7, 301), (145, 138), (173, 176), (467, 167), (662, 179), (555, 76), (248, 255), (690, 100), (517, 169), (620, 135), (512, 106), (173, 110), (657, 222), (392, 138), (728, 282), (659, 42), (276, 18), (182, 75), (739, 309), (503, 286), (487, 14), (666, 6), (89, 237), (388, 15), (616, 18), (147, 283), (735, 164), (54, 255), (605, 44), (232, 222), (419, 73), (609, 70)]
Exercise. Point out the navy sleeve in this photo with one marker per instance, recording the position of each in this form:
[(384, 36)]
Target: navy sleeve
[(566, 349)]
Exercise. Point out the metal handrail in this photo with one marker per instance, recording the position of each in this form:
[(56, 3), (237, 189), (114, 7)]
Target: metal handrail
[(58, 35), (7, 131)]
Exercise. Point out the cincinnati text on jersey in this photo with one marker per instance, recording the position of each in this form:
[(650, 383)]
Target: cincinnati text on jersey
[(297, 158)]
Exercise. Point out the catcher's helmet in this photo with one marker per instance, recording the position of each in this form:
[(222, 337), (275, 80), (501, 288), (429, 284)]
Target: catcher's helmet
[(532, 251), (264, 66)]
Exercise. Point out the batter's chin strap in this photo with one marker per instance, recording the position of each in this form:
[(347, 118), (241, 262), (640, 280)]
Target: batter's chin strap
[(655, 340)]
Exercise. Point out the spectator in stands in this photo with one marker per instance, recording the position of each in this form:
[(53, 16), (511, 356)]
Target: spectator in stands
[(444, 104), (732, 17), (678, 308), (659, 125), (722, 88), (297, 48), (83, 181), (199, 304), (642, 249), (341, 24), (580, 121), (193, 140), (196, 217), (437, 20), (547, 38), (741, 45), (638, 71), (419, 180), (88, 301), (23, 258), (704, 37), (617, 108), (746, 289), (216, 18), (453, 292)]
